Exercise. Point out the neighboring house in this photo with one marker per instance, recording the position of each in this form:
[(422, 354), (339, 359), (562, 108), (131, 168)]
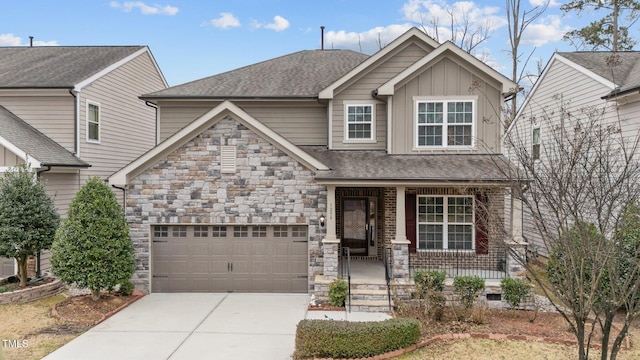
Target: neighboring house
[(571, 84), (265, 172), (74, 112)]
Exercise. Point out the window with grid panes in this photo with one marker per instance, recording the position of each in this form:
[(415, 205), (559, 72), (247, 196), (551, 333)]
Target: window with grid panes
[(179, 231), (445, 223), (445, 123)]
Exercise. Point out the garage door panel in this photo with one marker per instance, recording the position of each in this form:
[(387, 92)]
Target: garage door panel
[(229, 258)]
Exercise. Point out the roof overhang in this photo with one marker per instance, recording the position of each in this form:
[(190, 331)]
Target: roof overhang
[(388, 88), (196, 127), (411, 182), (29, 160)]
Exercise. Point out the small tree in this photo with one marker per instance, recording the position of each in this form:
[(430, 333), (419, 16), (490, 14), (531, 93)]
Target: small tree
[(28, 218), (92, 247)]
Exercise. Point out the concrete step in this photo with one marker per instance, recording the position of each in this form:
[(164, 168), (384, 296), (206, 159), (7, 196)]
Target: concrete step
[(370, 305)]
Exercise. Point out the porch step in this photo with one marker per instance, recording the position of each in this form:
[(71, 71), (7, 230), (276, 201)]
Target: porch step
[(368, 294), (370, 305)]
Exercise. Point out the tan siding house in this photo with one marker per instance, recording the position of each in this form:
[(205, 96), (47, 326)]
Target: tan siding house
[(317, 152), (51, 96)]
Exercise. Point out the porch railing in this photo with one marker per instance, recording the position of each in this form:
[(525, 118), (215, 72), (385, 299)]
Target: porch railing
[(388, 271), (345, 269), (461, 263)]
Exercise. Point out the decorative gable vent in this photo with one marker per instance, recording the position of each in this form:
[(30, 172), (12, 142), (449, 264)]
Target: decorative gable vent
[(228, 159)]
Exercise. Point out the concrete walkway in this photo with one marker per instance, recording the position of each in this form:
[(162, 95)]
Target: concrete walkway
[(201, 326)]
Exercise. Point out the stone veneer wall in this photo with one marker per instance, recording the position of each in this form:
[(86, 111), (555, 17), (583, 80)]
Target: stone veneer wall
[(187, 187)]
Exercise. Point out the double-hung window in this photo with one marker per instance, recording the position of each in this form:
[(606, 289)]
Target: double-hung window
[(446, 223), (535, 144), (93, 122), (445, 123), (359, 122)]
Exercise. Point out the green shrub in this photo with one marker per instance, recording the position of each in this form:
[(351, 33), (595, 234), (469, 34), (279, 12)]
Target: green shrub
[(338, 292), (126, 288), (342, 339), (515, 290), (92, 247), (428, 280), (468, 288)]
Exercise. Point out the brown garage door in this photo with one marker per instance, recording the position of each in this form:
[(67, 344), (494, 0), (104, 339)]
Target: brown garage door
[(229, 258)]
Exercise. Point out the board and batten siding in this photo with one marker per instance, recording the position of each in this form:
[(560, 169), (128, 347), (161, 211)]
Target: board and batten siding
[(360, 89), (449, 77), (54, 116), (127, 124), (301, 122)]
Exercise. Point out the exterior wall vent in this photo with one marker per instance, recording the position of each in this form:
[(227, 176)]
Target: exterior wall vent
[(228, 159)]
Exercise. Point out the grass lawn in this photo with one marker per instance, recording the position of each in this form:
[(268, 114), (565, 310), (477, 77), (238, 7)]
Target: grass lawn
[(32, 326)]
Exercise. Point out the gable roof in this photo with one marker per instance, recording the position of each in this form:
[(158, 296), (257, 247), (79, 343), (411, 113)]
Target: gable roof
[(328, 92), (202, 123), (388, 88), (623, 71), (33, 146), (301, 74), (62, 67)]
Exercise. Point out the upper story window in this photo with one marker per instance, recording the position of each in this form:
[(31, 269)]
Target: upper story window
[(445, 123), (360, 122), (535, 144), (93, 122)]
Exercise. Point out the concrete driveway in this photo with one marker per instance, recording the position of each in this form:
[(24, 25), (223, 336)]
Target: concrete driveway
[(195, 326)]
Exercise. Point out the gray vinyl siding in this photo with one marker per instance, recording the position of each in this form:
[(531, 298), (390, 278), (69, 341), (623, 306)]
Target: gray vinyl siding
[(54, 116), (7, 158), (448, 77), (7, 267), (360, 89), (561, 84), (301, 122), (127, 124)]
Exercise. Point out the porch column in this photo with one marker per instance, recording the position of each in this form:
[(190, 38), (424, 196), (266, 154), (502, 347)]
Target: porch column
[(330, 244), (517, 247), (400, 245)]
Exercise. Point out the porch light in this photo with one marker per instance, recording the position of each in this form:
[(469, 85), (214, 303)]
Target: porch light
[(322, 219)]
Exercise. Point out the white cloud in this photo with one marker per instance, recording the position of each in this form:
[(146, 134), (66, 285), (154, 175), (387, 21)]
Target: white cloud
[(549, 29), (426, 13), (144, 8), (279, 24), (12, 40), (552, 3), (225, 21), (366, 41), (9, 40)]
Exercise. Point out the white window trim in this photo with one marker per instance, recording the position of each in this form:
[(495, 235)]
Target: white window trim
[(345, 138), (445, 230), (445, 99), (86, 115)]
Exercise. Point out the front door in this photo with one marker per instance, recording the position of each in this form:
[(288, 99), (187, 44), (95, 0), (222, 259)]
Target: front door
[(355, 225)]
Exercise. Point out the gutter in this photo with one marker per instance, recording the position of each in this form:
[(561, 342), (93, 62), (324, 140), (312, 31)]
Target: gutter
[(76, 123), (152, 105), (124, 194), (38, 263)]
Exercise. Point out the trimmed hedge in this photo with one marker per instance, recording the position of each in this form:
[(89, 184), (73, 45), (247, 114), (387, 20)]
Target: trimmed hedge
[(343, 339)]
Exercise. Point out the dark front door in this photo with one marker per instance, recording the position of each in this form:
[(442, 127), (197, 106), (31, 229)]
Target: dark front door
[(355, 225)]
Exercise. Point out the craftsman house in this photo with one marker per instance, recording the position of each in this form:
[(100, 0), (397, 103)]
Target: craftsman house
[(265, 175), (73, 112)]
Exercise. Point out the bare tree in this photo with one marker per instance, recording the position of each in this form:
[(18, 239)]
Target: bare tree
[(518, 20), (582, 190), (461, 30)]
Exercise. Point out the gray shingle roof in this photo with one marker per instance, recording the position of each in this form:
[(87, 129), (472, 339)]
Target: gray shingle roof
[(35, 143), (378, 165), (301, 74), (624, 70), (56, 66)]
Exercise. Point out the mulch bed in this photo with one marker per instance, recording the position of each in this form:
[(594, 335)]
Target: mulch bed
[(82, 309)]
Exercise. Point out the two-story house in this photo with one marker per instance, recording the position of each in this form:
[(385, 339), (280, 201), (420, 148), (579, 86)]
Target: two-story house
[(74, 112), (598, 86), (265, 173)]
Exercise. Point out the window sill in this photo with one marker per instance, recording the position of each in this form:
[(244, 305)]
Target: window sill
[(97, 142), (358, 141)]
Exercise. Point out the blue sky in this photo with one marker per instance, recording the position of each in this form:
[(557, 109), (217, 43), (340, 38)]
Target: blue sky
[(194, 39)]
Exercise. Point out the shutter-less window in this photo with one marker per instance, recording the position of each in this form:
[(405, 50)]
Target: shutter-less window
[(228, 159)]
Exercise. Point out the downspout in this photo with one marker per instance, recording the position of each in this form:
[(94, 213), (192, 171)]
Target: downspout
[(124, 195), (48, 168), (150, 104), (76, 123)]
